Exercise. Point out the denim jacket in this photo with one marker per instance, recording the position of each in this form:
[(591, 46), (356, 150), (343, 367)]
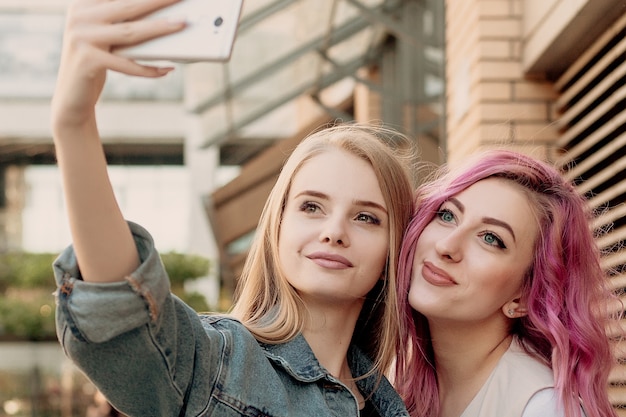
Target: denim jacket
[(152, 355)]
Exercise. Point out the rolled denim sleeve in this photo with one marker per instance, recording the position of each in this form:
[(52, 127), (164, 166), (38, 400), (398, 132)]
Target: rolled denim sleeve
[(137, 342), (96, 312)]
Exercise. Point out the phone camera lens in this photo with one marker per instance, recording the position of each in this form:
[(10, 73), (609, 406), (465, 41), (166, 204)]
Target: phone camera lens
[(218, 21)]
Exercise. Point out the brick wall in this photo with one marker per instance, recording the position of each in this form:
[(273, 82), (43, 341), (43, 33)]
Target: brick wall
[(491, 103)]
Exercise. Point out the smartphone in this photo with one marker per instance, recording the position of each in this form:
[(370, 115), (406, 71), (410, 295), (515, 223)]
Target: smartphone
[(209, 35)]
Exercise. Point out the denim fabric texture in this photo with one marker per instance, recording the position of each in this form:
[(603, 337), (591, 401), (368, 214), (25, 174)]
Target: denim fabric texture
[(152, 355)]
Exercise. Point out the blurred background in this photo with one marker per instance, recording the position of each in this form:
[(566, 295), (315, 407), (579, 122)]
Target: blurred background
[(193, 155)]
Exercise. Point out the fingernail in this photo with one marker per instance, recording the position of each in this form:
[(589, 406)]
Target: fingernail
[(177, 21), (164, 70)]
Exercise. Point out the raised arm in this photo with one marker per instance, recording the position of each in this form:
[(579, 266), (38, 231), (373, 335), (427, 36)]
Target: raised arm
[(102, 240)]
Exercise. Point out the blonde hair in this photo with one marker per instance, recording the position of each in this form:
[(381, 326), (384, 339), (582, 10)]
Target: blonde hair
[(269, 306)]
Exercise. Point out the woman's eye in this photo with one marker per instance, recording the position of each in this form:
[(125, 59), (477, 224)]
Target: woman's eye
[(309, 207), (446, 215), (493, 240), (367, 218)]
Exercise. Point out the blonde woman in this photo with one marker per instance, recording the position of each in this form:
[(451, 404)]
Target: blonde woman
[(314, 324)]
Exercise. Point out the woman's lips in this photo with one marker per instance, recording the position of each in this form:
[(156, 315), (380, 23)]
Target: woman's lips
[(330, 261), (436, 276)]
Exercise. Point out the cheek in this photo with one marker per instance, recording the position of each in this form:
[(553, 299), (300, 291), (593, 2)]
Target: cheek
[(413, 293), (504, 283), (424, 249), (290, 229), (429, 236), (374, 252), (378, 256), (513, 270), (286, 244), (425, 298), (282, 240)]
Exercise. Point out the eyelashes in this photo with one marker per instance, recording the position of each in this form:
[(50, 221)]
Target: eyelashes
[(490, 238), (362, 217), (368, 218), (309, 207)]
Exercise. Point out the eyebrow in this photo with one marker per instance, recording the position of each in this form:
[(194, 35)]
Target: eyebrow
[(366, 203), (487, 220)]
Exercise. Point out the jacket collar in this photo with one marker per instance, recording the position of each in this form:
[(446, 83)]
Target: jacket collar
[(297, 358)]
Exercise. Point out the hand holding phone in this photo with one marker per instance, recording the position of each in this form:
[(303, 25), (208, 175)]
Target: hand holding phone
[(209, 35)]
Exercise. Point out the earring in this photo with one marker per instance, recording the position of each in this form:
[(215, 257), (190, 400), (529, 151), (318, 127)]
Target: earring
[(511, 312)]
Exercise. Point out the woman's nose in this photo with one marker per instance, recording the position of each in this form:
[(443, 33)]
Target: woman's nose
[(335, 232), (449, 246)]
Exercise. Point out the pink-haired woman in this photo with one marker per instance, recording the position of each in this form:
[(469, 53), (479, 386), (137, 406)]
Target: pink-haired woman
[(504, 305)]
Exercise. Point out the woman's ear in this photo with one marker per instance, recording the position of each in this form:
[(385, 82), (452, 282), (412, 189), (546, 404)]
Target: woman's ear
[(514, 309)]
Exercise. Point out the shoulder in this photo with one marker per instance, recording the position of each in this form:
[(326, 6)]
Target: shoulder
[(223, 323), (544, 403), (525, 368), (516, 379), (218, 319), (230, 331)]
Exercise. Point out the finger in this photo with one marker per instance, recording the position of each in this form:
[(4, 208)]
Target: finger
[(128, 66), (127, 33), (113, 11), (130, 33), (81, 78)]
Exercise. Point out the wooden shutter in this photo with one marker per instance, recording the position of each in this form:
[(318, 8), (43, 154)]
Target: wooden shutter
[(592, 118)]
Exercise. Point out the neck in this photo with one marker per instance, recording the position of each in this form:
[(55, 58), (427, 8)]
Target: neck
[(329, 332), (465, 356)]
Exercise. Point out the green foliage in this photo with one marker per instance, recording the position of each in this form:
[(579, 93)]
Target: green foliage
[(181, 267), (26, 270), (29, 318), (195, 301), (28, 313)]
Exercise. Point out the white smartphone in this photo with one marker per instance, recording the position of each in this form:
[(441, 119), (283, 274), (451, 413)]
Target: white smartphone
[(209, 35)]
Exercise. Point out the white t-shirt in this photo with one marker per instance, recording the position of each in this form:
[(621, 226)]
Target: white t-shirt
[(514, 388), (544, 404)]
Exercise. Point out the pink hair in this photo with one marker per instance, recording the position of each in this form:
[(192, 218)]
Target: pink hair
[(566, 291)]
